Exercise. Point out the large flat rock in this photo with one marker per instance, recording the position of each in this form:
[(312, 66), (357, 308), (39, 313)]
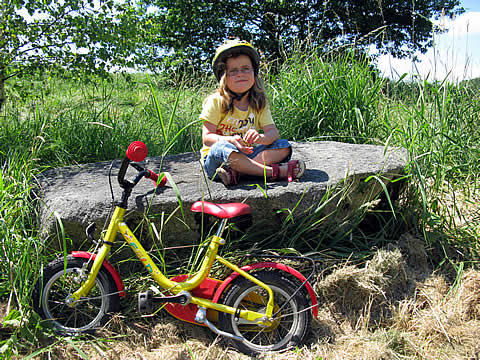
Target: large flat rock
[(81, 194)]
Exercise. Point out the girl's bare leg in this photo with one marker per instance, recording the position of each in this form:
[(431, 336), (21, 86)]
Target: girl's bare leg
[(244, 165), (272, 156), (260, 164)]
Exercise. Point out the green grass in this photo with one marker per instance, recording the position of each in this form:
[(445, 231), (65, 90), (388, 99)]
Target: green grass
[(71, 121), (57, 121), (437, 123), (63, 121), (20, 258)]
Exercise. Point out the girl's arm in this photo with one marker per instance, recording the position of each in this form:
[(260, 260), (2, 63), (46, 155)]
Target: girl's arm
[(270, 134)]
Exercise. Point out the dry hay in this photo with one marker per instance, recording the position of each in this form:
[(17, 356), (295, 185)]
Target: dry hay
[(394, 308), (147, 339), (469, 296), (443, 322), (366, 293)]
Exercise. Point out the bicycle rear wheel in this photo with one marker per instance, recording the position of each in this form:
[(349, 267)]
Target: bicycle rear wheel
[(289, 326), (59, 282)]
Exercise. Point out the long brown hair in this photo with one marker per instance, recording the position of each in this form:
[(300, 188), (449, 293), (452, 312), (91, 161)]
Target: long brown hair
[(257, 97)]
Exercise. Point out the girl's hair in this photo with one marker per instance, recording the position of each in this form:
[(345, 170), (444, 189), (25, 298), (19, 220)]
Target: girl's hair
[(257, 97)]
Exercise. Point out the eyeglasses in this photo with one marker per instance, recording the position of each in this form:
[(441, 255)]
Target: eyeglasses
[(243, 70)]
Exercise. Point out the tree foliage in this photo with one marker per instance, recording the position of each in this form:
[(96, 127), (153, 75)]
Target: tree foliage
[(192, 29), (77, 35)]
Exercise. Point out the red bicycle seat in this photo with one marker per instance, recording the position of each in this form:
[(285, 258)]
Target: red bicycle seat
[(222, 211)]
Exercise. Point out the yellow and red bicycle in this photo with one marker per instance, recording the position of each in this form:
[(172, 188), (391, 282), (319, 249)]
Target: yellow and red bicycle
[(264, 306)]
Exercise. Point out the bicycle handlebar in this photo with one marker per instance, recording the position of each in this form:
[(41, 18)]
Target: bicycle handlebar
[(154, 177), (137, 151)]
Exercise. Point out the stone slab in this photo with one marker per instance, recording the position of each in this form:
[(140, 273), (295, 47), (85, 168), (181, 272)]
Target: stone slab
[(81, 194)]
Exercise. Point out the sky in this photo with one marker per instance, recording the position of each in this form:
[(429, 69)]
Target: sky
[(455, 55)]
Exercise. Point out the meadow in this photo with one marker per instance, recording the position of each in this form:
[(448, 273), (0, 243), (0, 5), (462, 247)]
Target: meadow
[(53, 120)]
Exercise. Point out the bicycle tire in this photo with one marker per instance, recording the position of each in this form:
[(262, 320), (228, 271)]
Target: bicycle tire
[(289, 327), (58, 283)]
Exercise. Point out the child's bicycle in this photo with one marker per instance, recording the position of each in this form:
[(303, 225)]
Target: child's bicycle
[(260, 307)]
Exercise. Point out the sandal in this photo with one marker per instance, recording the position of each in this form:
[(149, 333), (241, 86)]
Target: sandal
[(228, 176), (292, 164)]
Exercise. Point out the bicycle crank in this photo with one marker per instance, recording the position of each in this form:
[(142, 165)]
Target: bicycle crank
[(146, 300)]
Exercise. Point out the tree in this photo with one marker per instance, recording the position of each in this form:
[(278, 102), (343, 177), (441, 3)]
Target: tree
[(183, 33), (78, 35), (196, 27)]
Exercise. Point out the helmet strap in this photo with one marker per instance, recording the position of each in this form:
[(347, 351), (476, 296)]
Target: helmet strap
[(237, 97)]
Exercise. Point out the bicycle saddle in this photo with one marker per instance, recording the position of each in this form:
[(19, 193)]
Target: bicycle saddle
[(223, 211)]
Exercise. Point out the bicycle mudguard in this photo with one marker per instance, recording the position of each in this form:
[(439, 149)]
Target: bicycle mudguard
[(111, 270), (271, 265)]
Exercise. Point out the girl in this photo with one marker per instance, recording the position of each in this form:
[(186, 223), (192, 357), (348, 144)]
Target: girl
[(239, 135)]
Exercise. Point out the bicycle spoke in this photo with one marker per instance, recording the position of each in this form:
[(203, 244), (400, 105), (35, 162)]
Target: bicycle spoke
[(57, 304), (85, 314)]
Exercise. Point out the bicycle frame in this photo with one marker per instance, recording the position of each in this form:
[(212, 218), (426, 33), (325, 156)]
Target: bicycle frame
[(117, 225)]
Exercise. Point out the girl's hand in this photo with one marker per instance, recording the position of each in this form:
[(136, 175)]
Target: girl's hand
[(251, 137), (241, 144)]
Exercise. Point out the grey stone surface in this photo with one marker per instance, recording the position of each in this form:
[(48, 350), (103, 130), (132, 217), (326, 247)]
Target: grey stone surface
[(81, 194)]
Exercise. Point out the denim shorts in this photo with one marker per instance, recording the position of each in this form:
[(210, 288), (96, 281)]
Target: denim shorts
[(221, 150)]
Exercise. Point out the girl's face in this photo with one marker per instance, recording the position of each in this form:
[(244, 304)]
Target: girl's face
[(239, 74)]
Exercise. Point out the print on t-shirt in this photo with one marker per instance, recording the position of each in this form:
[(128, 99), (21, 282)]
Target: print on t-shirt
[(233, 126)]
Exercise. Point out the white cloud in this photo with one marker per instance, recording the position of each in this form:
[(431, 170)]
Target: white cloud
[(466, 24), (455, 55)]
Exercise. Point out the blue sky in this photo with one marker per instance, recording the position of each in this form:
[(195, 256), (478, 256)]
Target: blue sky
[(456, 54)]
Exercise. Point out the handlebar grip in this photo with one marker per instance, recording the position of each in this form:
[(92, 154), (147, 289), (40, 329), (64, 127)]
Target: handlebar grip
[(137, 151), (154, 177)]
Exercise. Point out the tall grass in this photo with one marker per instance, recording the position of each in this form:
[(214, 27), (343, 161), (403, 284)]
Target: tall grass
[(61, 122), (332, 98), (437, 123), (20, 250)]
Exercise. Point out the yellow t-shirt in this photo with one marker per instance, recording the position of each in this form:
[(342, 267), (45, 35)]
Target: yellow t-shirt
[(236, 122)]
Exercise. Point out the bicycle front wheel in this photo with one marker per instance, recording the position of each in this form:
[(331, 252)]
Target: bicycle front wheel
[(59, 283), (289, 326)]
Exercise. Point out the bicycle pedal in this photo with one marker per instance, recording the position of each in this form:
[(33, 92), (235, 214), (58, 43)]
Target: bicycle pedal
[(145, 302)]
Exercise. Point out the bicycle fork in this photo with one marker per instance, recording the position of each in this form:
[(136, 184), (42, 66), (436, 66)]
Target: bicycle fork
[(101, 256)]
